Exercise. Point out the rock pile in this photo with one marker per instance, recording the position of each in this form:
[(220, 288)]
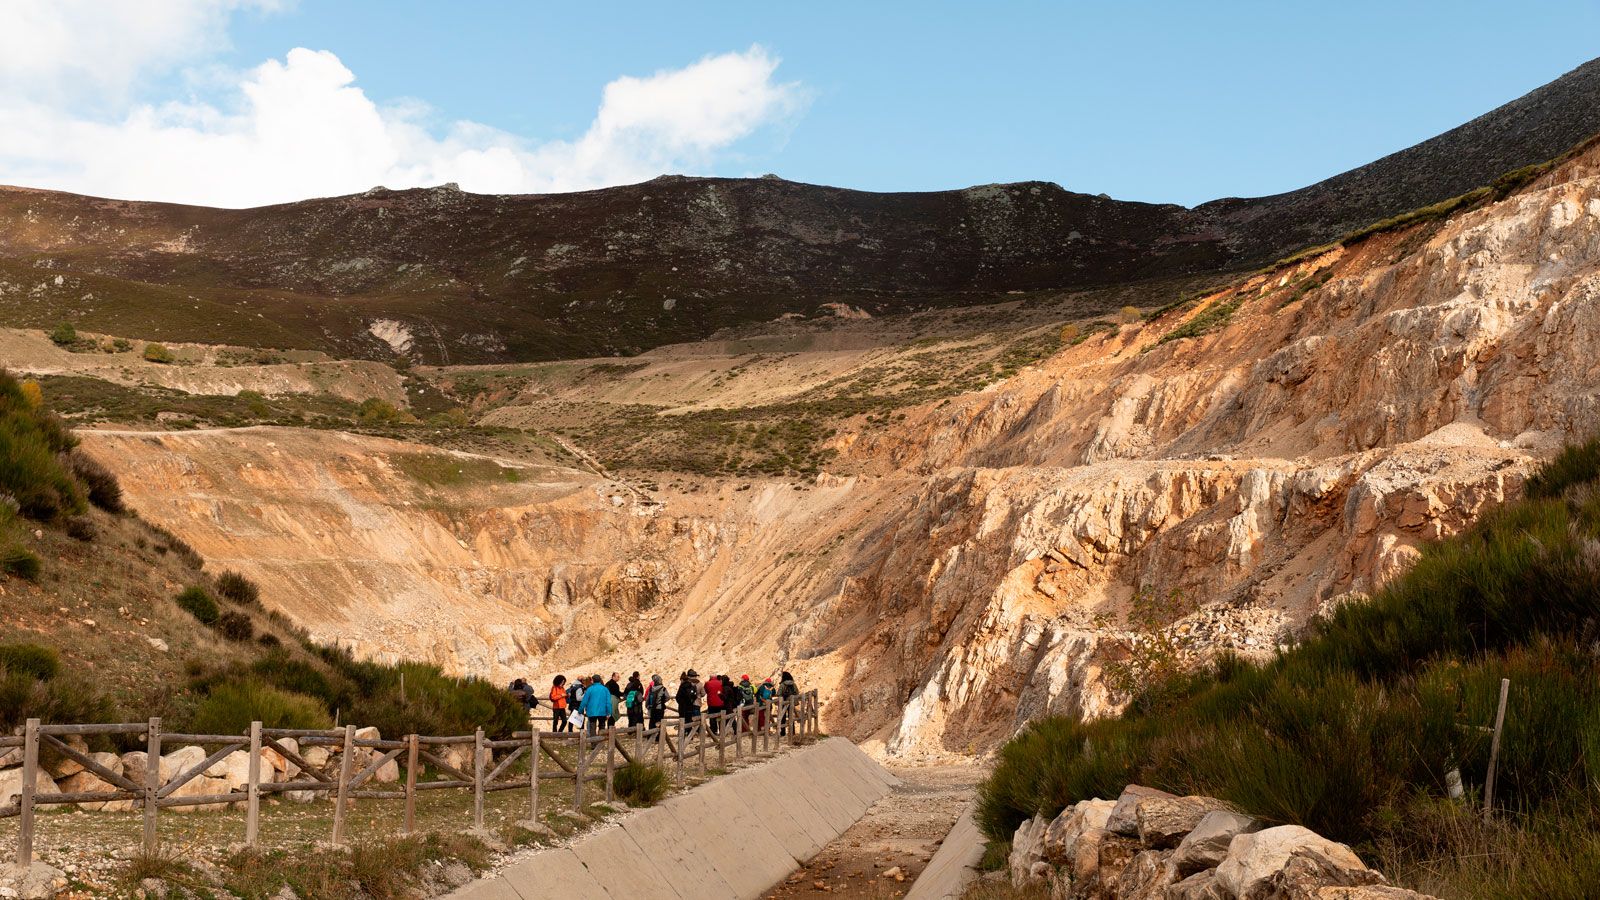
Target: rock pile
[(1151, 845)]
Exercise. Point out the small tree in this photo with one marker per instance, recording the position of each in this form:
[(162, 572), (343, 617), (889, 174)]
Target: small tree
[(199, 604), (157, 353), (375, 411), (1069, 334), (1130, 315), (64, 335)]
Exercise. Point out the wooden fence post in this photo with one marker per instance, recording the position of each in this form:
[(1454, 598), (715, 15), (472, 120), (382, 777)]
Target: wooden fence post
[(738, 735), (700, 743), (678, 751), (413, 749), (611, 763), (582, 768), (346, 762), (152, 782), (533, 778), (252, 815), (477, 780), (30, 775), (638, 743), (1494, 750)]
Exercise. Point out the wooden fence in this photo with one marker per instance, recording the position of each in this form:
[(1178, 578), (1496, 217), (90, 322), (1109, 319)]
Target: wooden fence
[(675, 743)]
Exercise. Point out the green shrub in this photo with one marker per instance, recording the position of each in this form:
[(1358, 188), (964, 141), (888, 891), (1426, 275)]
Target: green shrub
[(199, 604), (374, 411), (21, 563), (640, 785), (230, 708), (30, 659), (238, 588), (64, 335), (102, 486), (236, 626), (158, 353), (64, 699), (1574, 465), (432, 703)]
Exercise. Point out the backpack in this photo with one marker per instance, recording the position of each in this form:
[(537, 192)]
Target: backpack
[(656, 697)]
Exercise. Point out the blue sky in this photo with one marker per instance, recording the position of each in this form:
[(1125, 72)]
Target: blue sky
[(1169, 102)]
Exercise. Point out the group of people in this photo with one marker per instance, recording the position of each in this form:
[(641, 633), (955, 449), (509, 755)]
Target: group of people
[(593, 704)]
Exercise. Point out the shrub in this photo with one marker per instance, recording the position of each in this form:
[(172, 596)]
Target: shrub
[(21, 563), (433, 703), (238, 588), (269, 640), (230, 707), (1130, 315), (80, 529), (639, 784), (374, 411), (1574, 465), (199, 604), (31, 472), (64, 335), (158, 353), (236, 626), (35, 660), (102, 486), (32, 394), (62, 699)]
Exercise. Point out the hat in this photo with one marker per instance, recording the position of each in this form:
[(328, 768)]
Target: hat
[(692, 673), (768, 681), (745, 678)]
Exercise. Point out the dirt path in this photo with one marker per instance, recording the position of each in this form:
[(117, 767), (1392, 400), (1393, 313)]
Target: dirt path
[(902, 830)]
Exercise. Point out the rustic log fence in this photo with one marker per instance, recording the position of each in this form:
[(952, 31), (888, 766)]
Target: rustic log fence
[(593, 758)]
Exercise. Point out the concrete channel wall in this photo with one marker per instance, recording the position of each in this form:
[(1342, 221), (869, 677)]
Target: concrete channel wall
[(954, 866), (731, 838)]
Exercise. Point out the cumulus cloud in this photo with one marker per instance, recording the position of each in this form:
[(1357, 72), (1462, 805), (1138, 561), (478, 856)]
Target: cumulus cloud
[(301, 126)]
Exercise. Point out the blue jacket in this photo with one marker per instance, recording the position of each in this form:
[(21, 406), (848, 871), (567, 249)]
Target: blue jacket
[(596, 701)]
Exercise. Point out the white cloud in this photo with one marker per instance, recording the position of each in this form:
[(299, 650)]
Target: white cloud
[(300, 127)]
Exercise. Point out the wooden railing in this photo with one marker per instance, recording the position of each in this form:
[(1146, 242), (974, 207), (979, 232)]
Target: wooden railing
[(765, 727)]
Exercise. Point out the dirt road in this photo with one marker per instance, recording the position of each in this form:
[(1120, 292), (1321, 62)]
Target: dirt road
[(901, 831)]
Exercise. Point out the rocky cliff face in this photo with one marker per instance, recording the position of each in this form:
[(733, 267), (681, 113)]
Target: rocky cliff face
[(1210, 478)]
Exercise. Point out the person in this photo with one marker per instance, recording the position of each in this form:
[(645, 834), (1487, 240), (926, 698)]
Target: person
[(689, 696), (730, 698), (763, 699), (787, 692), (747, 698), (558, 704), (655, 700), (714, 702), (597, 705), (633, 701), (616, 699)]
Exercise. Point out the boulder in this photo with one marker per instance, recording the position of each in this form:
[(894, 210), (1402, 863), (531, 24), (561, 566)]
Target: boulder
[(300, 796), (1369, 892), (11, 785), (88, 782), (1199, 886), (134, 766), (1062, 835), (1146, 876), (316, 756), (388, 773), (1258, 864), (280, 764), (1207, 845), (180, 761), (1098, 860), (1027, 848), (1124, 818), (199, 786), (35, 882), (1165, 821), (232, 770), (369, 733), (61, 765)]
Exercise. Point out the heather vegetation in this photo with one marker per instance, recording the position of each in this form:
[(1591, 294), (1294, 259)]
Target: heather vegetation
[(1356, 732)]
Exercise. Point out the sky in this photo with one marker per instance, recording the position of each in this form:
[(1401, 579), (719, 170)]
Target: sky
[(247, 102)]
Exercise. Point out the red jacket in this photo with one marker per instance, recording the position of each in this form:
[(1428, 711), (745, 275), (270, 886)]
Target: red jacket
[(714, 693)]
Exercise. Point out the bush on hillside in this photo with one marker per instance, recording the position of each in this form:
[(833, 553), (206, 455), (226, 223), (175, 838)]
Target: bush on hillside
[(199, 604), (435, 703), (236, 626), (32, 444), (1574, 465), (230, 708), (64, 335), (640, 785), (21, 563), (238, 588), (158, 353), (61, 699), (102, 486), (36, 660)]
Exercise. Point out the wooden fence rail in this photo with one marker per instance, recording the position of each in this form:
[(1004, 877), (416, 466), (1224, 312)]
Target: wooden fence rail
[(584, 756)]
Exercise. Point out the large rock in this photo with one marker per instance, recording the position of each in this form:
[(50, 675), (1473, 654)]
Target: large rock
[(11, 785), (1062, 835), (369, 733), (86, 782), (1369, 892), (388, 773), (1207, 845), (280, 764), (62, 765), (1027, 848), (1098, 860), (1165, 821), (199, 786), (1124, 818), (1146, 876), (180, 761), (232, 770), (34, 882), (1271, 863), (317, 756), (1199, 886), (135, 766)]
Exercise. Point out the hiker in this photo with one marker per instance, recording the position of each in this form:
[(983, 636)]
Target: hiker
[(655, 700), (763, 702), (689, 696), (787, 692), (633, 701), (598, 705), (558, 704), (616, 699), (730, 700), (747, 699), (575, 700), (714, 702)]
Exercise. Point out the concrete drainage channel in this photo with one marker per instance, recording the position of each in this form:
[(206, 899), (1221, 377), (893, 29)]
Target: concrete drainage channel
[(729, 839)]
